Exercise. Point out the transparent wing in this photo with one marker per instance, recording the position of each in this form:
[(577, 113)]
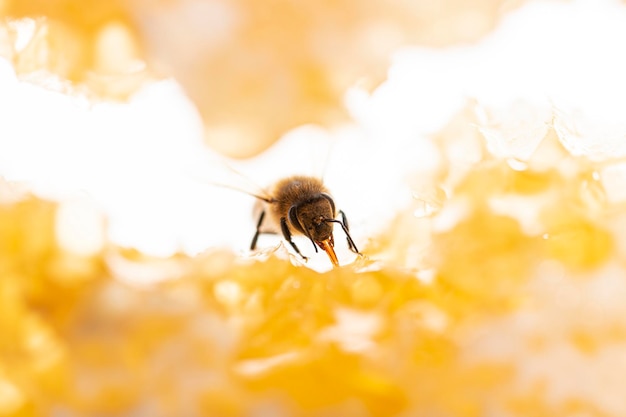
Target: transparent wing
[(218, 171), (303, 151)]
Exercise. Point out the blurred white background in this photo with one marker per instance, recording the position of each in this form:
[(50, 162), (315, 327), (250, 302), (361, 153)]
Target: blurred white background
[(143, 164)]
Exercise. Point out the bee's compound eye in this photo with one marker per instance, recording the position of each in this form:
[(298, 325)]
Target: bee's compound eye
[(293, 218), (330, 201)]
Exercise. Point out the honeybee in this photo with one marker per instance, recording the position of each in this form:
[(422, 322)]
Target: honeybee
[(301, 205)]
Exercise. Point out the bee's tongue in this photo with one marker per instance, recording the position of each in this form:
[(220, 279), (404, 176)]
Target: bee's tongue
[(327, 246)]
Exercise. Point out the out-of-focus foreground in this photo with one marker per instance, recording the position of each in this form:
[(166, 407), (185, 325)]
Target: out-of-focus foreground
[(498, 291)]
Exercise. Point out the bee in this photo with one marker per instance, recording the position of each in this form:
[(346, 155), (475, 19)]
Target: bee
[(301, 205)]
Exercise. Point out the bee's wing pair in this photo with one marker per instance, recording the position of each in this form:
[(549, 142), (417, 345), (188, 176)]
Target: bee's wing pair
[(217, 171)]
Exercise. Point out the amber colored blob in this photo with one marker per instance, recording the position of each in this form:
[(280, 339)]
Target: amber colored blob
[(485, 257), (575, 240), (86, 16), (493, 178), (532, 182)]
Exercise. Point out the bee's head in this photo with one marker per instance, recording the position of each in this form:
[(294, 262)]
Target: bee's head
[(314, 218)]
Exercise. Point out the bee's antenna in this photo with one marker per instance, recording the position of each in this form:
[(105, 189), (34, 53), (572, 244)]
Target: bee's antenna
[(345, 230), (313, 242)]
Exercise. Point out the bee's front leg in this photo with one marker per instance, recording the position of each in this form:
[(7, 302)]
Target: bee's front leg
[(287, 235), (346, 230)]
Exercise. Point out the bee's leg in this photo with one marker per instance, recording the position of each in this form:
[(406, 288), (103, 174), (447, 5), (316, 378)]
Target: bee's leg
[(346, 229), (287, 235), (344, 219), (258, 230)]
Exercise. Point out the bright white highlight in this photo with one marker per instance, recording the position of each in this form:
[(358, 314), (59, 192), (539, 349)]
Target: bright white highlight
[(137, 161)]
